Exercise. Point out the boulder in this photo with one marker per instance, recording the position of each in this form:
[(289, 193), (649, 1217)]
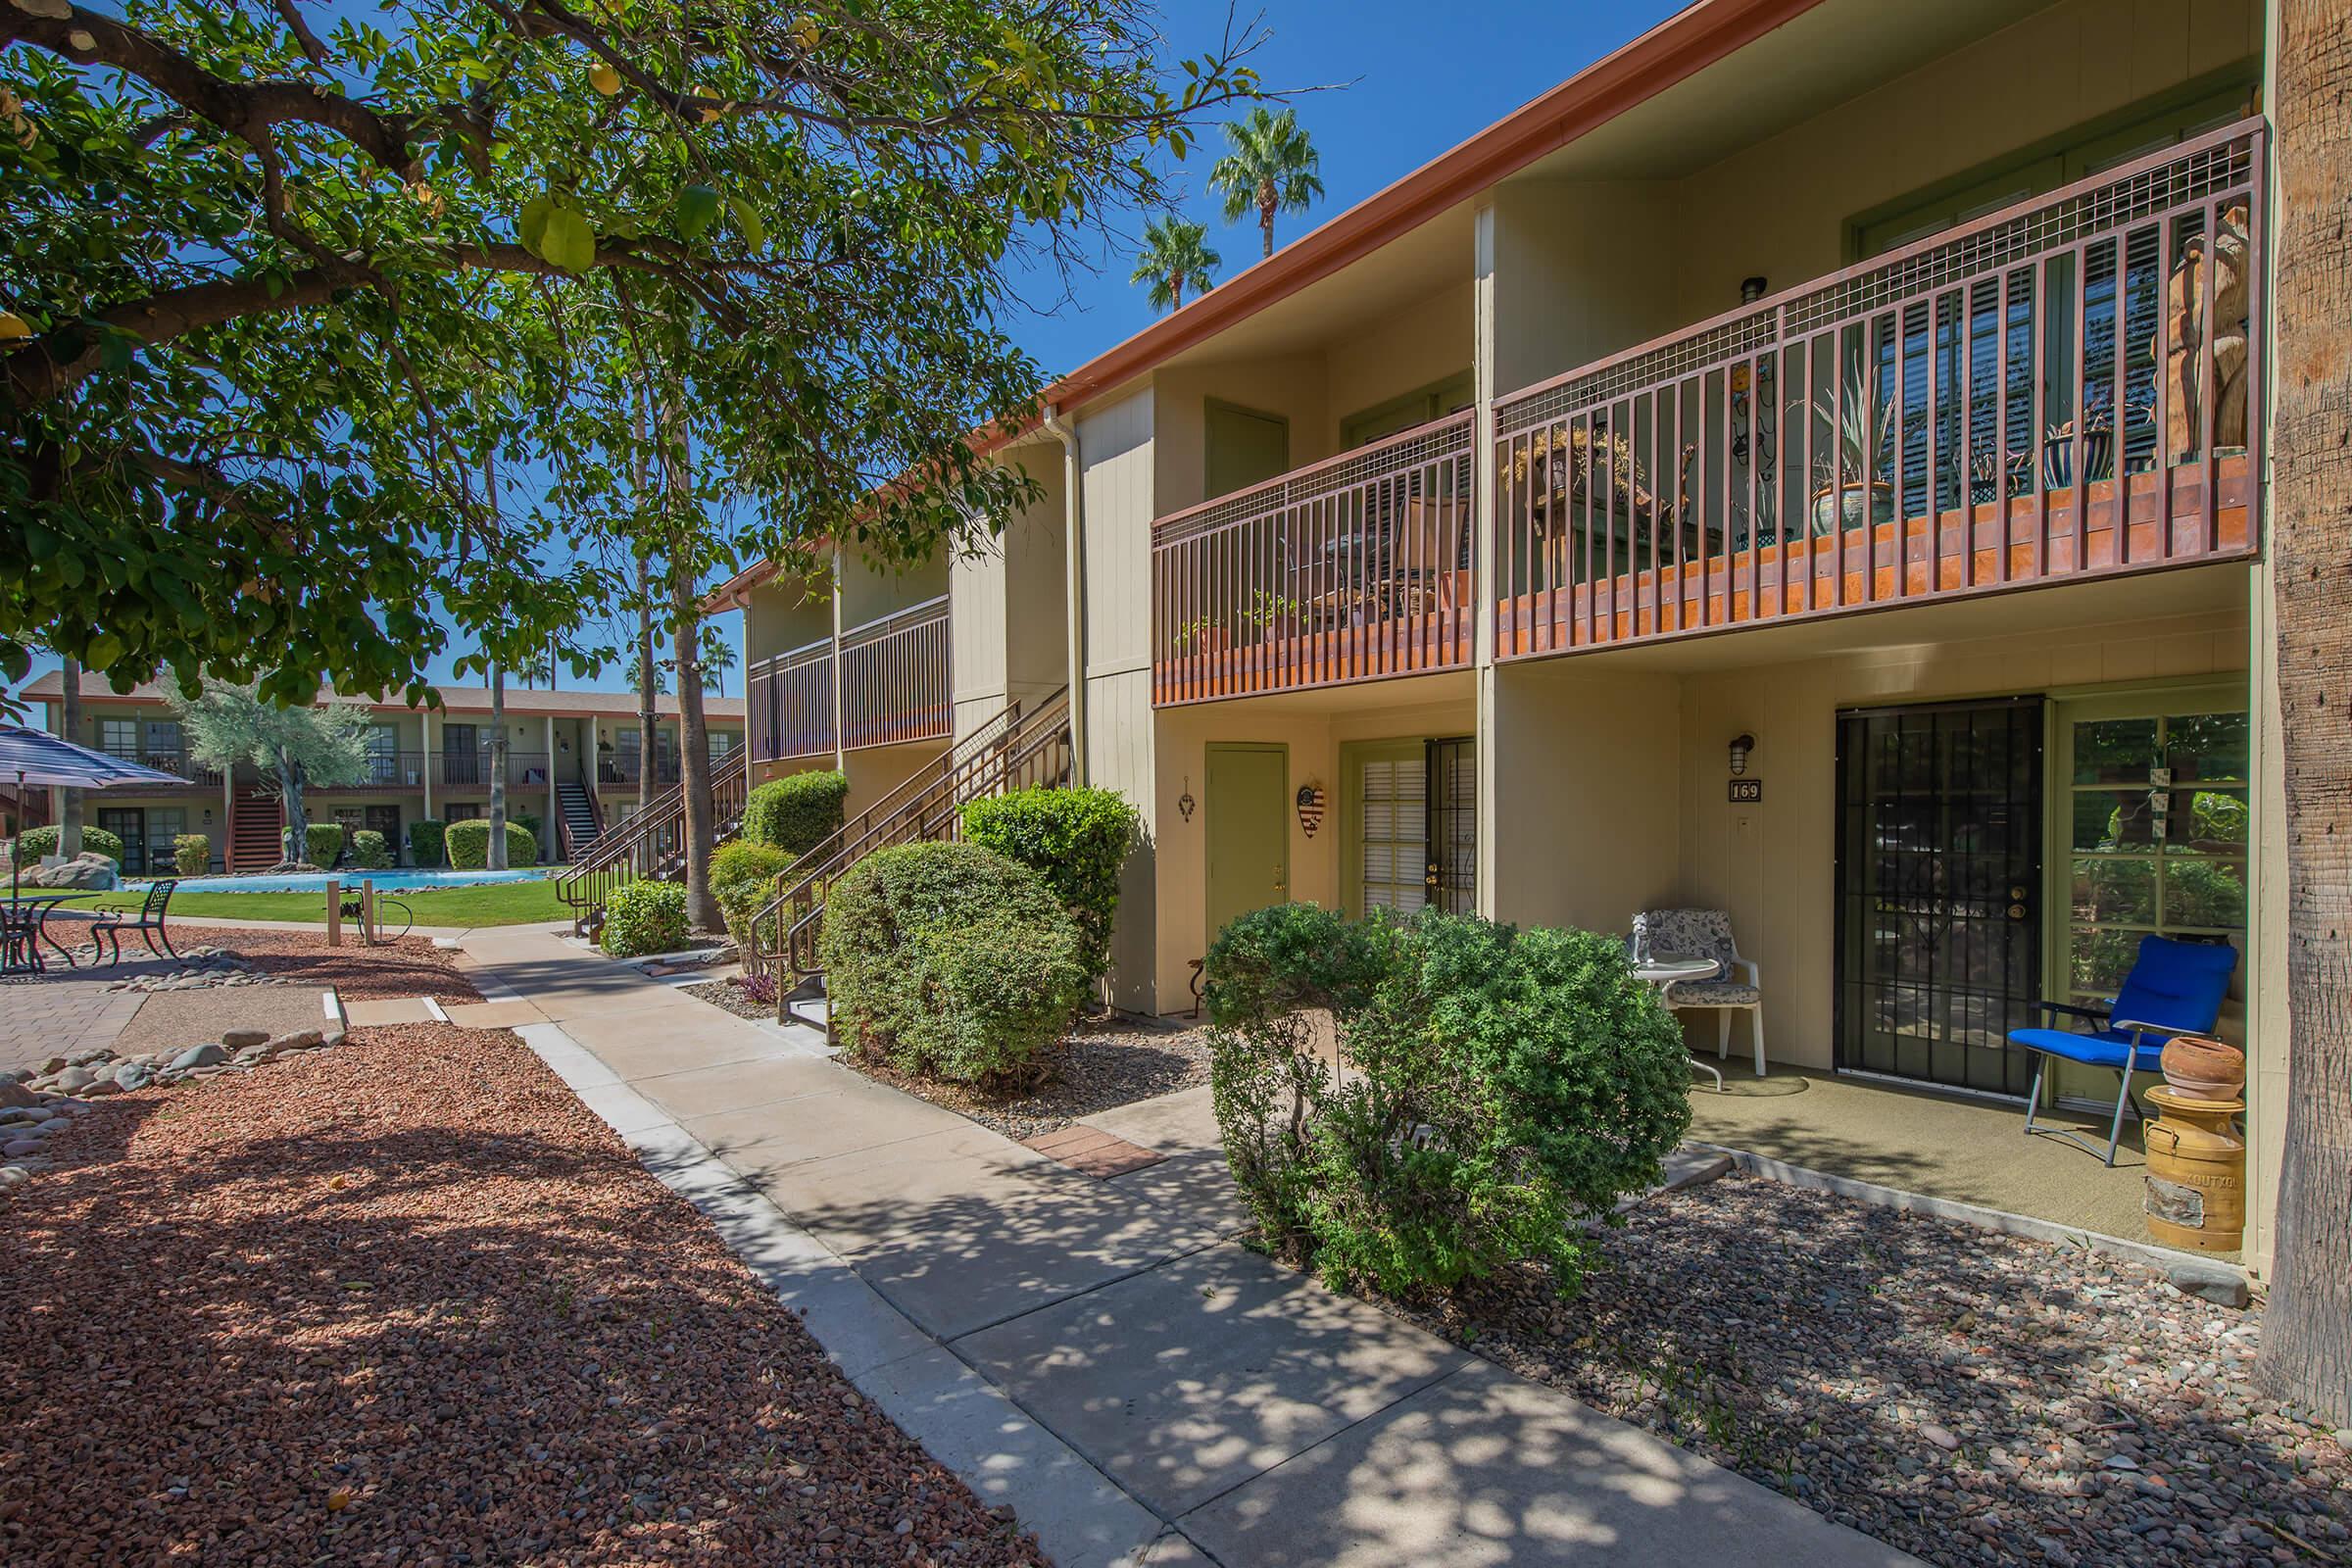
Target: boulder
[(239, 1039), (300, 1040), (199, 1056), (87, 871), (73, 1080), (14, 1095)]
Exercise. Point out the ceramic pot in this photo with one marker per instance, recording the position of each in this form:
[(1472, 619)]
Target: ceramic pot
[(2204, 1068), (1847, 509)]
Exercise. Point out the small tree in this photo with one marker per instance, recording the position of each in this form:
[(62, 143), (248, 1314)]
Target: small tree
[(292, 747)]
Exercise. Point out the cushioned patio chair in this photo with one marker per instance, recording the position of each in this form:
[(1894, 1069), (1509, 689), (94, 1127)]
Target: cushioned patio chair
[(2174, 988), (1707, 934)]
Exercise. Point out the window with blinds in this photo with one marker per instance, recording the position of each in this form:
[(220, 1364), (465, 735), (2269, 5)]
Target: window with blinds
[(1394, 847)]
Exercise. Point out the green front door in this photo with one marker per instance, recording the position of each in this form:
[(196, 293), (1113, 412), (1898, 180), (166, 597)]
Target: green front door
[(1247, 824)]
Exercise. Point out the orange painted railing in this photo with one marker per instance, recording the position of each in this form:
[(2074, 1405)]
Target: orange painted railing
[(1947, 420), (1353, 569)]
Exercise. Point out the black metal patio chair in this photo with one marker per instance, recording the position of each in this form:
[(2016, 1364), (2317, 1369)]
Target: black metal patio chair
[(110, 925)]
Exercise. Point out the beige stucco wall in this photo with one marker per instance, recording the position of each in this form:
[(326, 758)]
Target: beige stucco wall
[(1399, 350), (1312, 734), (1009, 598), (1778, 207), (870, 590), (1581, 269), (1295, 387), (1587, 820), (784, 613)]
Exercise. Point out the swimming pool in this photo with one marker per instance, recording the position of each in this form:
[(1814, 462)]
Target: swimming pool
[(385, 881)]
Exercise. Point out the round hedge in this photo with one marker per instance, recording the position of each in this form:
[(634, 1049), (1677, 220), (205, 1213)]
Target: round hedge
[(468, 845), (796, 813), (1077, 839), (36, 841), (949, 960)]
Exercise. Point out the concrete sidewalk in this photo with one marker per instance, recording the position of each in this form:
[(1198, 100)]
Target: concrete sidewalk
[(1098, 1353)]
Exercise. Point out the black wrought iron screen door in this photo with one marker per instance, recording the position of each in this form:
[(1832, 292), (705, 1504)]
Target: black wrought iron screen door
[(1938, 877)]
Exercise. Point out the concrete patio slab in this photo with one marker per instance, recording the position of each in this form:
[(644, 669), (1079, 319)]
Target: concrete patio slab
[(733, 1086), (493, 1014), (1197, 1183), (650, 1044), (1169, 1123), (961, 1229), (1484, 1468), (389, 1009), (1081, 1517), (1187, 1380), (757, 1142)]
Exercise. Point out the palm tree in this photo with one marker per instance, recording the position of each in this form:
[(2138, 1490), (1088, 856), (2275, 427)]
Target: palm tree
[(1176, 257), (1272, 168), (718, 656)]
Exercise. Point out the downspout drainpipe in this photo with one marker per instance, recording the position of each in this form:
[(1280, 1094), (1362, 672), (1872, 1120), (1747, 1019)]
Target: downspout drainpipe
[(1073, 507)]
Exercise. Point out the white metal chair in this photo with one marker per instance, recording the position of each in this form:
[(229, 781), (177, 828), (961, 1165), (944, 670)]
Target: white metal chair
[(1707, 934)]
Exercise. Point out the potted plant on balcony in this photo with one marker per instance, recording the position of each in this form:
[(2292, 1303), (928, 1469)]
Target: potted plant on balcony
[(1199, 636), (1271, 616), (1851, 489)]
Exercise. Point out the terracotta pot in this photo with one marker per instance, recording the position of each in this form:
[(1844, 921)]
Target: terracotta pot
[(2207, 1069)]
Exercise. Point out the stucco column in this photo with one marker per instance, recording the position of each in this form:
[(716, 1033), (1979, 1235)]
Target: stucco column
[(428, 761), (551, 828), (841, 756), (1482, 548)]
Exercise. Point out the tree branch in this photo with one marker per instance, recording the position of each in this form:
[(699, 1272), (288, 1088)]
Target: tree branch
[(245, 110)]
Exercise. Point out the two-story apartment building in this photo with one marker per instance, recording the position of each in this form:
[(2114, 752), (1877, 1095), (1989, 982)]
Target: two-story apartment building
[(1810, 464), (573, 761)]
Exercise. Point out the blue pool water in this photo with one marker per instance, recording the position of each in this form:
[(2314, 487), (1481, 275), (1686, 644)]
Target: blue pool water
[(385, 881)]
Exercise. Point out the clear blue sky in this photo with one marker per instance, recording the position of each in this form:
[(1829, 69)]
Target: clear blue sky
[(1405, 83)]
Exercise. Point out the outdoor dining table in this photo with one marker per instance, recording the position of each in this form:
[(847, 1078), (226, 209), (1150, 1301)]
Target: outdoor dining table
[(1663, 969), (41, 906)]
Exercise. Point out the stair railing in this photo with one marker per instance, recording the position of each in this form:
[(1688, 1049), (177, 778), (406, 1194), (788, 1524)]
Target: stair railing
[(651, 843), (1009, 751)]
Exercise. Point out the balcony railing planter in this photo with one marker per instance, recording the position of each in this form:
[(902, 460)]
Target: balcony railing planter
[(1352, 569), (1927, 413)]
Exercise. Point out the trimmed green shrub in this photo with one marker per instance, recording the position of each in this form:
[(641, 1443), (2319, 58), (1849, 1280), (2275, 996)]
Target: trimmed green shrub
[(796, 813), (368, 851), (1505, 1087), (644, 917), (191, 854), (427, 841), (468, 845), (743, 878), (949, 960), (529, 822), (36, 842), (1077, 840), (323, 843)]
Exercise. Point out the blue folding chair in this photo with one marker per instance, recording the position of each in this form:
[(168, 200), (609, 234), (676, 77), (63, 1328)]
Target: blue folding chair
[(2174, 988)]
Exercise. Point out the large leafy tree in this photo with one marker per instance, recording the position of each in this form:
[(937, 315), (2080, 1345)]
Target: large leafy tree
[(1175, 256), (240, 433), (292, 745), (1272, 168)]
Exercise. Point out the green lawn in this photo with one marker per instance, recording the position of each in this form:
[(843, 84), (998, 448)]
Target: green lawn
[(491, 904)]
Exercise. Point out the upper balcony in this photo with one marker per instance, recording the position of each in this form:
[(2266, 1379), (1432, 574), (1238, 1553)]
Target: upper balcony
[(892, 689), (1352, 569), (1943, 420), (2032, 397)]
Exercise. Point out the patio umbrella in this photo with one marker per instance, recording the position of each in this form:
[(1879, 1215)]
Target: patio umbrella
[(37, 756)]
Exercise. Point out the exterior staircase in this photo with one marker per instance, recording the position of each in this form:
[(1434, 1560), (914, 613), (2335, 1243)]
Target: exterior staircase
[(1010, 752), (577, 813), (651, 845), (257, 826)]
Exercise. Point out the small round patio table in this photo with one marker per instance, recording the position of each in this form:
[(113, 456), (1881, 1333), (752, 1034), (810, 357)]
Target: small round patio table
[(38, 907), (1664, 969)]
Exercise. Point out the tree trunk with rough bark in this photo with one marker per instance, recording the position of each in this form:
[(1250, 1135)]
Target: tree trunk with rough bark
[(295, 849), (2307, 1331), (647, 718), (70, 809), (694, 757), (498, 768)]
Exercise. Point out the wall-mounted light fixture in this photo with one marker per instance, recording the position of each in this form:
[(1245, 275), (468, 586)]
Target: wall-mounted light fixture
[(1741, 745), (1751, 289), (1185, 802)]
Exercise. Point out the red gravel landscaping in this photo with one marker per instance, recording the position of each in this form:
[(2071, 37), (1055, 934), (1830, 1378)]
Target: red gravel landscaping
[(409, 967), (408, 1301)]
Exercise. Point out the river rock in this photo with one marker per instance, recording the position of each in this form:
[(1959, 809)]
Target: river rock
[(199, 1056)]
